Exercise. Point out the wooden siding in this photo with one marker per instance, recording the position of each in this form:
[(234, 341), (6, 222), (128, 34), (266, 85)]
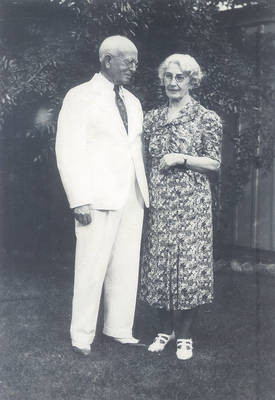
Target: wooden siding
[(253, 220)]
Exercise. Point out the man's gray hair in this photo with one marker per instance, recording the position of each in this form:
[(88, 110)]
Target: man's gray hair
[(113, 45), (187, 64)]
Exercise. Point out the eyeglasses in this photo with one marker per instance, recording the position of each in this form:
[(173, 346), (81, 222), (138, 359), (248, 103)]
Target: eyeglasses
[(179, 78), (129, 63)]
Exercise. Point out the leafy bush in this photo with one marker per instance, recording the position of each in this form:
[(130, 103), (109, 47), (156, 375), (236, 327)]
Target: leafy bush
[(45, 56)]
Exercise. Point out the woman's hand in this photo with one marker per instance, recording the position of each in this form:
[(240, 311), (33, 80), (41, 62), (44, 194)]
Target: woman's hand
[(199, 164), (170, 160)]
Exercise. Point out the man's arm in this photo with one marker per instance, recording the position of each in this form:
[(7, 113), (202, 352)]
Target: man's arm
[(72, 157)]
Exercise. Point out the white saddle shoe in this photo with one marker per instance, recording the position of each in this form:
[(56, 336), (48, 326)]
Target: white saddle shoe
[(160, 342), (184, 349)]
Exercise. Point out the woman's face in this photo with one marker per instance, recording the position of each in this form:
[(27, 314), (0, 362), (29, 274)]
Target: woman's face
[(176, 82)]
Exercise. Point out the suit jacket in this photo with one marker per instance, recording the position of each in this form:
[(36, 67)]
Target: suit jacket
[(95, 156)]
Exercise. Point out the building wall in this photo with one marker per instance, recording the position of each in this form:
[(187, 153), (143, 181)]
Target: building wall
[(253, 220)]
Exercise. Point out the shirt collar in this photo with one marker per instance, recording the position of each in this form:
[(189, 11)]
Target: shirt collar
[(102, 83), (105, 81)]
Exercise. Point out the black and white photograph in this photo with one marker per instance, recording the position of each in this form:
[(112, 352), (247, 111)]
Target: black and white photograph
[(137, 200)]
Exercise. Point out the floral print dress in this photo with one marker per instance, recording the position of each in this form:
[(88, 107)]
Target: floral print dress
[(177, 263)]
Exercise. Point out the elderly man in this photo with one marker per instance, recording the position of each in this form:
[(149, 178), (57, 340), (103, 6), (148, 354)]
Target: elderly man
[(99, 156)]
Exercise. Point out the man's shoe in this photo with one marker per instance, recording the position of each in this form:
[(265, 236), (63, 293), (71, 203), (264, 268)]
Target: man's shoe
[(128, 341), (82, 351)]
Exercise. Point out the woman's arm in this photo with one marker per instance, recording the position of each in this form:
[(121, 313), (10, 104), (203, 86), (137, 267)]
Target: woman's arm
[(208, 158), (199, 164)]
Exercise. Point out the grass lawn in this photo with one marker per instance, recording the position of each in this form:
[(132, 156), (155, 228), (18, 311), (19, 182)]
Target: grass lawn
[(234, 342)]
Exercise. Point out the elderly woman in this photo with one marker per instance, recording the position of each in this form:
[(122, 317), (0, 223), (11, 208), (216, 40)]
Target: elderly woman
[(183, 140)]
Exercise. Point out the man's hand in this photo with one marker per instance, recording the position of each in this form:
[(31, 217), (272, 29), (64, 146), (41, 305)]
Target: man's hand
[(83, 214)]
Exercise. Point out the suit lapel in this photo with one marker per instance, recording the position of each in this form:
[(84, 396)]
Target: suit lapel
[(133, 117), (106, 102)]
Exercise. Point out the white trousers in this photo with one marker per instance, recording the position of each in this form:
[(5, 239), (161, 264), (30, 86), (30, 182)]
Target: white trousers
[(107, 252)]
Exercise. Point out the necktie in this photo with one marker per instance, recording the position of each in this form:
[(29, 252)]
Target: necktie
[(121, 107)]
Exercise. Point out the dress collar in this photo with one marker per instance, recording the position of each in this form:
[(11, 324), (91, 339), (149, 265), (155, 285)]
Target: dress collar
[(186, 114)]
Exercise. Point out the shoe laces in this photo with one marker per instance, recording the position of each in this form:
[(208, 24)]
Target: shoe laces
[(186, 343), (161, 338)]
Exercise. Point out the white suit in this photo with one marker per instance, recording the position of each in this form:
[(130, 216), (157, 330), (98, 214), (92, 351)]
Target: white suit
[(100, 164)]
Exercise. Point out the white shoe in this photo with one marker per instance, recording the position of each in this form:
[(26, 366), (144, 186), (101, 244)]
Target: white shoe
[(84, 351), (160, 342), (184, 349), (129, 340)]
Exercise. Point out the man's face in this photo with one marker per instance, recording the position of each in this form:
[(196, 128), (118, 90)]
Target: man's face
[(123, 66)]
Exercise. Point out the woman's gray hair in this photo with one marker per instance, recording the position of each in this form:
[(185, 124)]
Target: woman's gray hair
[(187, 64)]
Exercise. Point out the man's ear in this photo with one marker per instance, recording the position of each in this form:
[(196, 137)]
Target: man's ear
[(107, 61)]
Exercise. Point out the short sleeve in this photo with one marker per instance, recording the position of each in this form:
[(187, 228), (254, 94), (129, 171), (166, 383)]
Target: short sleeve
[(211, 135)]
